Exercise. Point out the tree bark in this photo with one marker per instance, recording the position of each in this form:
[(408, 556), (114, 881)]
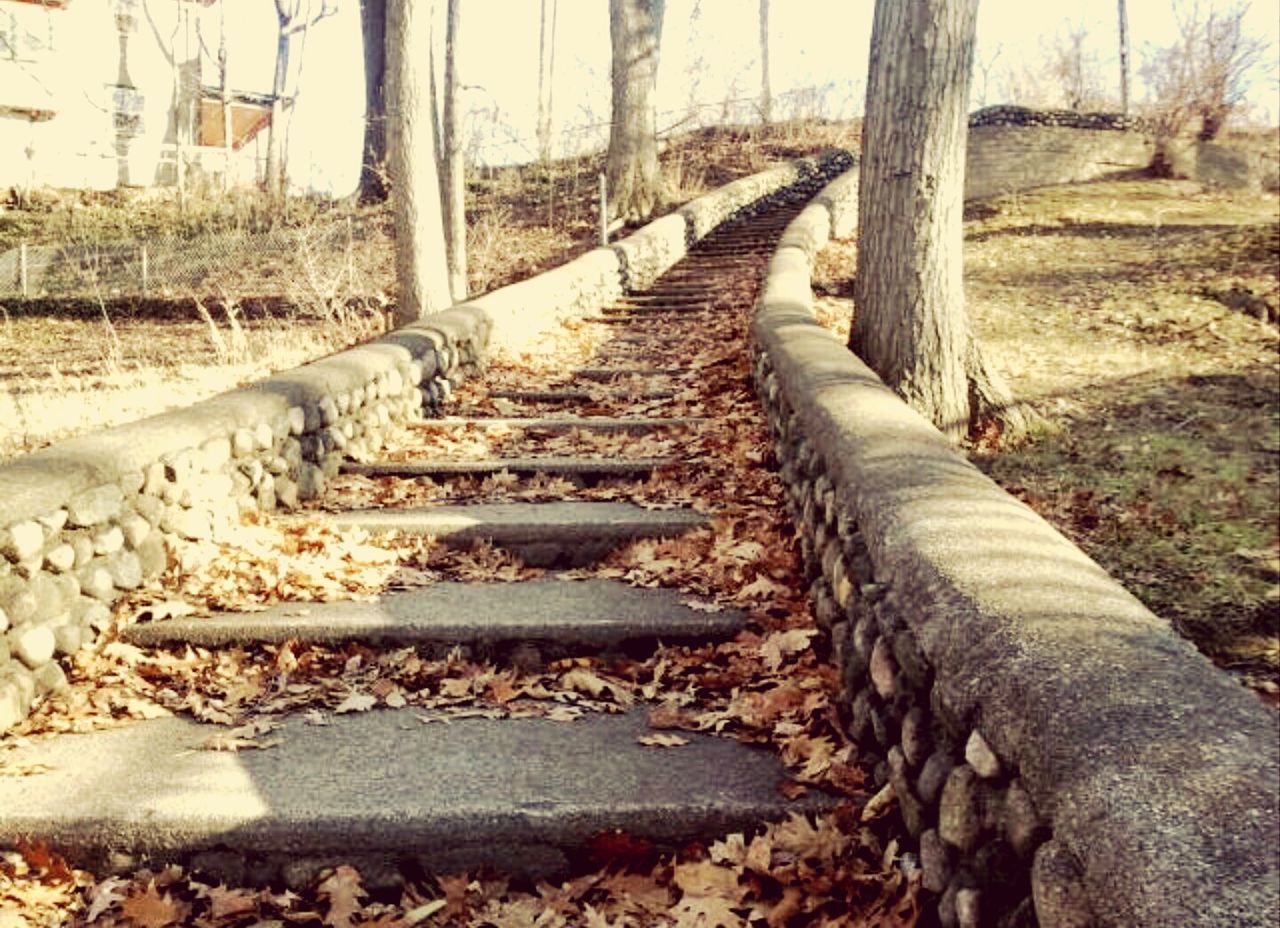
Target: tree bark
[(546, 77), (224, 91), (636, 187), (275, 129), (373, 26), (1124, 57), (421, 273), (910, 324), (766, 88), (455, 196)]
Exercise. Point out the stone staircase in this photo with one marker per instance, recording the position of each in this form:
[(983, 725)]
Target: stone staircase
[(397, 792)]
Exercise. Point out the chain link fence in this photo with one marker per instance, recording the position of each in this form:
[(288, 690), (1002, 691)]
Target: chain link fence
[(326, 259)]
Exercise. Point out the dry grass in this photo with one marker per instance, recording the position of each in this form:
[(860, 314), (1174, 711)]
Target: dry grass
[(1103, 304)]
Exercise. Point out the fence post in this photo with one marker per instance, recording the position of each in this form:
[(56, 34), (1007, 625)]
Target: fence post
[(22, 270), (351, 261), (604, 210), (146, 270)]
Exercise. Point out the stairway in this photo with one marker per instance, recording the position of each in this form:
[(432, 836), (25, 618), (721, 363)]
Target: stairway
[(397, 790)]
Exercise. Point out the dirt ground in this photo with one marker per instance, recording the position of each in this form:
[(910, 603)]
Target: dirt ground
[(1126, 315)]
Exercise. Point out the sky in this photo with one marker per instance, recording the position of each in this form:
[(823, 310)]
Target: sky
[(710, 58)]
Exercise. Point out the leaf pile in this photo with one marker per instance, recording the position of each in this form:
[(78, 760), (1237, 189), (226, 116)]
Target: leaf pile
[(823, 871)]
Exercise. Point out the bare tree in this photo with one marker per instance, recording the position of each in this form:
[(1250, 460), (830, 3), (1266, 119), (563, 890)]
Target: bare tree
[(766, 89), (910, 324), (292, 18), (184, 67), (1123, 12), (1075, 70), (421, 273), (635, 180), (983, 64), (546, 76), (1206, 73), (455, 188)]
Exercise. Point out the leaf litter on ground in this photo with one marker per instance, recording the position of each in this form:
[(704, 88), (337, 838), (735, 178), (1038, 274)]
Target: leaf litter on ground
[(769, 685)]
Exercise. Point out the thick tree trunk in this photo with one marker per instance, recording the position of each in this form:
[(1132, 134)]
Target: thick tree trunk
[(421, 273), (910, 323), (766, 89), (373, 26), (636, 187), (455, 196)]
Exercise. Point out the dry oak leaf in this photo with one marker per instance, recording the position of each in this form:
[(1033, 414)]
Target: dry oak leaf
[(151, 909), (780, 645), (343, 890), (356, 702), (662, 741), (584, 681), (227, 903), (710, 894), (104, 896)]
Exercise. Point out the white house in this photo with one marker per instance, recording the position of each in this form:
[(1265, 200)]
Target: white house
[(96, 94)]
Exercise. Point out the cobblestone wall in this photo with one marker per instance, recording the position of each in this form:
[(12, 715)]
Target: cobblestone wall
[(86, 520), (1059, 755)]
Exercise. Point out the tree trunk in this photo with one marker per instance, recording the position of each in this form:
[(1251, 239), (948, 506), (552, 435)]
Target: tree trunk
[(635, 180), (766, 89), (910, 324), (1124, 58), (546, 76), (421, 273), (275, 129), (224, 93), (455, 197), (373, 26), (437, 123)]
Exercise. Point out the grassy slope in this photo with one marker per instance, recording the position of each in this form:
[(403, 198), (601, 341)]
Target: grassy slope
[(1158, 453)]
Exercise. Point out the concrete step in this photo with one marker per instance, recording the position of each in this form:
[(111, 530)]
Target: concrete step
[(561, 617), (605, 374), (382, 790), (542, 396), (663, 299), (636, 424), (622, 311), (584, 469), (542, 534), (567, 396), (629, 316)]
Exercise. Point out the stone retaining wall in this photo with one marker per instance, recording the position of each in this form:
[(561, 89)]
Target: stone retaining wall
[(87, 519), (1007, 158), (1058, 753)]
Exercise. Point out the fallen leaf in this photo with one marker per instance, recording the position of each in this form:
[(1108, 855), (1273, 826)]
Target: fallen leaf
[(880, 804), (227, 903), (780, 645), (356, 702), (343, 890), (150, 909), (104, 896), (662, 741)]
